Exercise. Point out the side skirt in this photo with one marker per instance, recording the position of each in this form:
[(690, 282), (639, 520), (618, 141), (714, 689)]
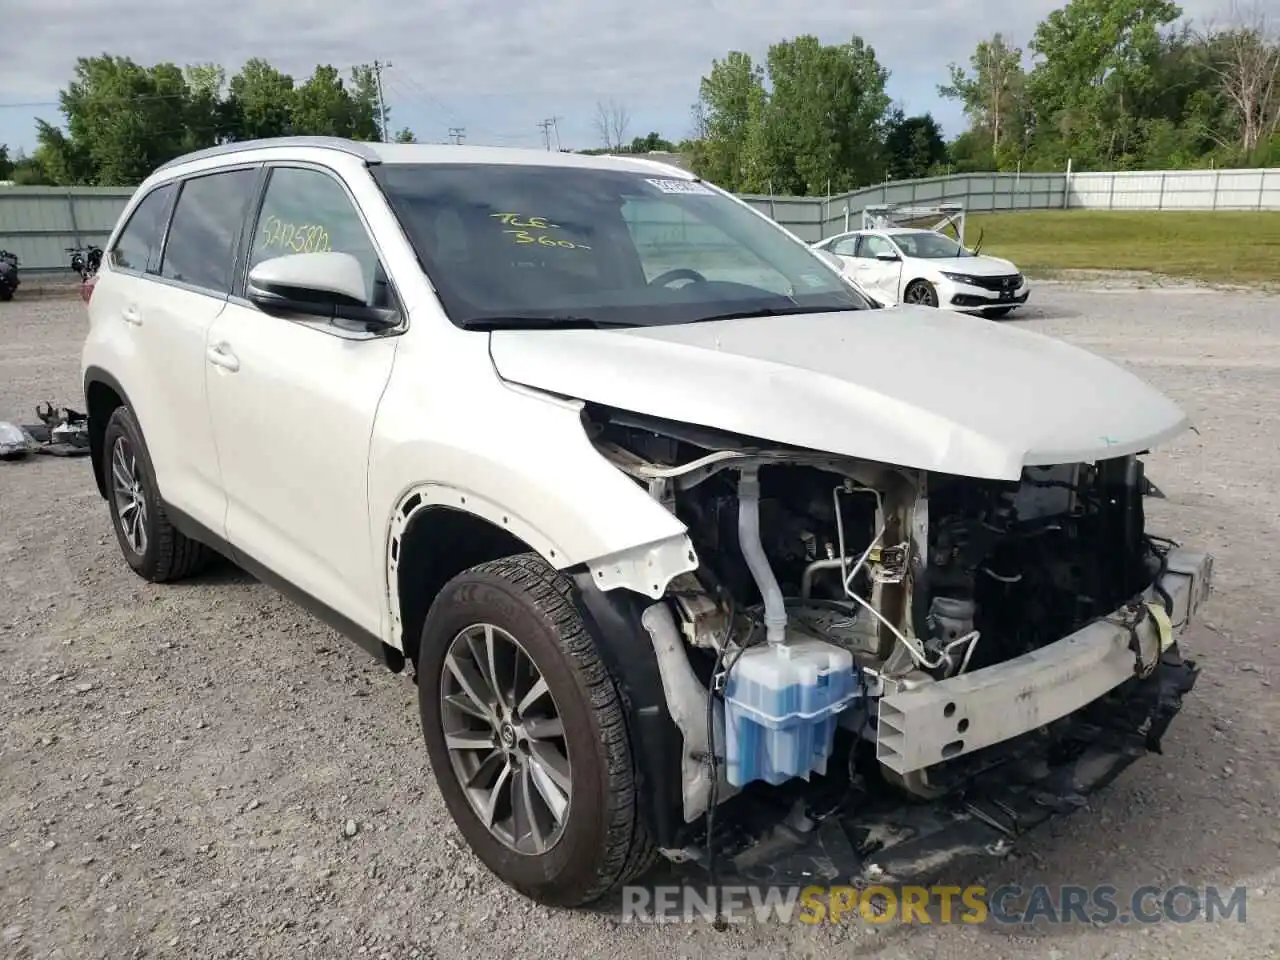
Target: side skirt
[(371, 644)]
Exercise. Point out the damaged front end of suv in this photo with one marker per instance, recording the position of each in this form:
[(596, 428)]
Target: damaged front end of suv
[(874, 670)]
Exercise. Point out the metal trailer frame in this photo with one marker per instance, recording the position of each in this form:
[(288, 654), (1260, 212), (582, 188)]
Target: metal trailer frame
[(881, 215)]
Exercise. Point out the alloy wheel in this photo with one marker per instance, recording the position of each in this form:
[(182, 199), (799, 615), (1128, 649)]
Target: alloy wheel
[(130, 495), (920, 294), (505, 738)]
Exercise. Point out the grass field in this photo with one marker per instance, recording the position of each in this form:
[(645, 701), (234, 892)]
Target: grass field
[(1224, 247)]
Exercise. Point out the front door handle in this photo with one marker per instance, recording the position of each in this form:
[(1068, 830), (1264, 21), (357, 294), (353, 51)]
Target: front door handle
[(131, 316), (221, 356)]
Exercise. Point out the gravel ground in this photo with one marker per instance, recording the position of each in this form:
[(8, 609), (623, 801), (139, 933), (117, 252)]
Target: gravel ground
[(203, 770)]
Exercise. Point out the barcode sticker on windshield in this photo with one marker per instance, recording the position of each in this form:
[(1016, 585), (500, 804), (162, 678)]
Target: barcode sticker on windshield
[(680, 186)]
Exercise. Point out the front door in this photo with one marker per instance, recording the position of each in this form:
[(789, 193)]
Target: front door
[(293, 401), (882, 278)]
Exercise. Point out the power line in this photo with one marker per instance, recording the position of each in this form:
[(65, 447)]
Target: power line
[(420, 94), (298, 81), (136, 98)]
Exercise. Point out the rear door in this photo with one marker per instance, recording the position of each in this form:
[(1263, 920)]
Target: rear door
[(160, 286), (189, 291)]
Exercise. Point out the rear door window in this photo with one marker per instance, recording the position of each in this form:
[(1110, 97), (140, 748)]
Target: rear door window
[(206, 225), (139, 241)]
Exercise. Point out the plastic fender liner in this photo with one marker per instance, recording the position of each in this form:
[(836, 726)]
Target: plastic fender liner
[(613, 620)]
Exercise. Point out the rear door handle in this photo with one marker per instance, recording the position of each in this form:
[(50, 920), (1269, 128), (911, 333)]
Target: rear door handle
[(131, 316), (221, 356)]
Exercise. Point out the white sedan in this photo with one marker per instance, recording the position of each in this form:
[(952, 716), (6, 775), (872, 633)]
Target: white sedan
[(905, 265)]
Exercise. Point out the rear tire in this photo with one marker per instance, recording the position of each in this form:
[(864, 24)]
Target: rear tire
[(151, 545), (524, 757), (920, 293), (6, 294)]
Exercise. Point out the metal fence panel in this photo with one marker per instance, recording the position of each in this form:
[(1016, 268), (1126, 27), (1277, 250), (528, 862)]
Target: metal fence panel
[(37, 223)]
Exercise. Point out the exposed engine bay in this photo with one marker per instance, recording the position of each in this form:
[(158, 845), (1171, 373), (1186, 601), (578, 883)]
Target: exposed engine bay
[(827, 584)]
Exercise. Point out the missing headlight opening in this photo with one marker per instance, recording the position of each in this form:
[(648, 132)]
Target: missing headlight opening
[(829, 589)]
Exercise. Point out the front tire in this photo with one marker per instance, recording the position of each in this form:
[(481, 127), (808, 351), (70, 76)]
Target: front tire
[(525, 732), (151, 545), (921, 293)]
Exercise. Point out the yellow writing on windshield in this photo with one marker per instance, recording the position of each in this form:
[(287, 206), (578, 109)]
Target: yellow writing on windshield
[(520, 229), (523, 236), (298, 237)]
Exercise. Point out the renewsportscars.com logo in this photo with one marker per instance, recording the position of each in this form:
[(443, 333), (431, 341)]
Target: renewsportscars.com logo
[(1100, 905)]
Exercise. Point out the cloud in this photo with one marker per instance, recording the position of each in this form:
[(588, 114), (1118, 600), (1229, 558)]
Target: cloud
[(525, 60)]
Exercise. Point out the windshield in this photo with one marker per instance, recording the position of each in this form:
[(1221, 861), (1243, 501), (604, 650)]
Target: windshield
[(929, 245), (518, 245)]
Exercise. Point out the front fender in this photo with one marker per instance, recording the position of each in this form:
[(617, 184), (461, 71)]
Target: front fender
[(528, 467)]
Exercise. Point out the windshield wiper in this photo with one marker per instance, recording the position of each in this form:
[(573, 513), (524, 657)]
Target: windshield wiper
[(772, 312), (539, 323)]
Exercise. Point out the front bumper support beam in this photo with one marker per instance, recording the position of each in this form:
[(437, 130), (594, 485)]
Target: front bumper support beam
[(935, 722)]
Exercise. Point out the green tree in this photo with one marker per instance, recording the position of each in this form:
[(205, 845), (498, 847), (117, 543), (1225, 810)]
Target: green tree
[(971, 152), (993, 95), (819, 127), (732, 100), (1097, 75), (260, 102), (648, 144), (405, 135), (913, 146), (825, 116), (122, 121), (6, 165), (323, 106), (207, 119), (62, 160), (365, 122), (29, 172)]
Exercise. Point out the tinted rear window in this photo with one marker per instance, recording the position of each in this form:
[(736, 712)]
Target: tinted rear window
[(206, 224), (142, 234)]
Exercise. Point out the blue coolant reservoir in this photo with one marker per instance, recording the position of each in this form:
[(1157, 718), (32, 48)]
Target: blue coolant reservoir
[(781, 708)]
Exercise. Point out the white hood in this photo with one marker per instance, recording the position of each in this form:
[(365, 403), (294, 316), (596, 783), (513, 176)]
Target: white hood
[(980, 266), (908, 386)]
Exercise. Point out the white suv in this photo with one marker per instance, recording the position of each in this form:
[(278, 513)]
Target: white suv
[(665, 519)]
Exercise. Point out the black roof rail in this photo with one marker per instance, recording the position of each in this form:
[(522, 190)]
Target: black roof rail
[(355, 148)]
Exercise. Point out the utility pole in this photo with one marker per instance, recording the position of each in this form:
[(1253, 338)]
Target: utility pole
[(555, 126), (545, 126), (378, 67), (457, 133)]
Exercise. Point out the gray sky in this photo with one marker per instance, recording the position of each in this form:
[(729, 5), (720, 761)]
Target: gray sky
[(497, 67)]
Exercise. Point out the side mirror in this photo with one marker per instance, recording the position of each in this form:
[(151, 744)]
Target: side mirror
[(327, 285), (888, 256)]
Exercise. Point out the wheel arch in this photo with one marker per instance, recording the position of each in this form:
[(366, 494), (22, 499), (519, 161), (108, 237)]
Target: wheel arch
[(438, 532), (102, 396), (429, 544)]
